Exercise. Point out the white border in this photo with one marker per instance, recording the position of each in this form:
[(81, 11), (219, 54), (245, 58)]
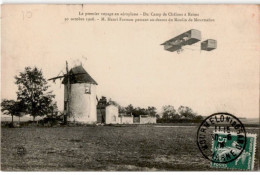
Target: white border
[(131, 1)]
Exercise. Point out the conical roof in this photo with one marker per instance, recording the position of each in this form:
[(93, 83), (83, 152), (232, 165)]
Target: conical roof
[(79, 75)]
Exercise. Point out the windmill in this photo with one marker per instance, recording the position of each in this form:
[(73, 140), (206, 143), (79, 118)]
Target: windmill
[(79, 95)]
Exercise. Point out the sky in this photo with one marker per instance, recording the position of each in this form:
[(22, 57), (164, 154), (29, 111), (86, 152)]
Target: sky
[(128, 62)]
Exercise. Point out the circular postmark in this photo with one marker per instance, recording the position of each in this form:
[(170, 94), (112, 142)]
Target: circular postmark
[(221, 138)]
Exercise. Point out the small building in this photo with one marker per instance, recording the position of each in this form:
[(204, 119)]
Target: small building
[(112, 114), (126, 119), (147, 119), (107, 112)]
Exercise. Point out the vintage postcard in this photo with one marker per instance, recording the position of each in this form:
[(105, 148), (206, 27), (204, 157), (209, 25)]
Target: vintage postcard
[(130, 87)]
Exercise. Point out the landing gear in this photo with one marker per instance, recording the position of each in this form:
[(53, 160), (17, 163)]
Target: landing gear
[(179, 51)]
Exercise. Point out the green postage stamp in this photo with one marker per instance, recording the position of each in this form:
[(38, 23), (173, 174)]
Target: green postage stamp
[(226, 145)]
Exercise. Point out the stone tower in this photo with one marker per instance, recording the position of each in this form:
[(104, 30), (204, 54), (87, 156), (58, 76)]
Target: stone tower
[(81, 99)]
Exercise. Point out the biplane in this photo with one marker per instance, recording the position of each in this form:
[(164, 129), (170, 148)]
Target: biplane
[(189, 38)]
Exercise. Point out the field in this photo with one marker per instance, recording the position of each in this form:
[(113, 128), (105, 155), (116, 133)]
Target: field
[(104, 148)]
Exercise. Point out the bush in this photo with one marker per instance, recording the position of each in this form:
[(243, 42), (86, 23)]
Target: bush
[(171, 120)]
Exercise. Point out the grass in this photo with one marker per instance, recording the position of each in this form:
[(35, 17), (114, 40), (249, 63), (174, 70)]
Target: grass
[(103, 148)]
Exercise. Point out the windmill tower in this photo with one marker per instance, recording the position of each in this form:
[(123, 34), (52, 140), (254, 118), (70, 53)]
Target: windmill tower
[(79, 96)]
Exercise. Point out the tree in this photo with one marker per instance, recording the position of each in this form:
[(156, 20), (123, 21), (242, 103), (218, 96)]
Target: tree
[(52, 110), (11, 107), (186, 112), (169, 112), (121, 109), (151, 111), (129, 109), (198, 118), (32, 92), (139, 111)]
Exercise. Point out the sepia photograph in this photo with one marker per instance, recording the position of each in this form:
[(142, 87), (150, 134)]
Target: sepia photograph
[(95, 87)]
